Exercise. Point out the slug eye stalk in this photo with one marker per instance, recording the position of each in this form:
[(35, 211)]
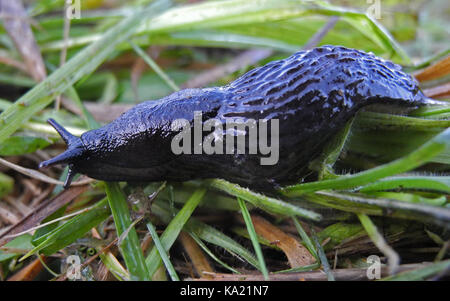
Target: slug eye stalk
[(75, 150)]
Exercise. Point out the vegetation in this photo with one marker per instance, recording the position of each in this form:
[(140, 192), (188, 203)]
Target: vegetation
[(383, 189)]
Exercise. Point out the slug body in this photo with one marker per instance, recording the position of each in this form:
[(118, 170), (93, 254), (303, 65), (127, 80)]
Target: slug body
[(312, 94)]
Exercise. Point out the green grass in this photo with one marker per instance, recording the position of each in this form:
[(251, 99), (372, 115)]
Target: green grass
[(384, 171)]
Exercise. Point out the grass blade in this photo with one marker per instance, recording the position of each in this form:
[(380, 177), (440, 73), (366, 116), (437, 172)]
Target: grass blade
[(211, 254), (373, 120), (207, 234), (130, 247), (262, 201), (172, 231), (114, 266), (308, 242), (254, 238), (323, 257), (70, 231), (162, 252), (155, 67)]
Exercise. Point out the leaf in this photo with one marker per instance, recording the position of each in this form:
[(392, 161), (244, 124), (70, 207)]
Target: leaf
[(296, 253), (71, 230), (22, 242)]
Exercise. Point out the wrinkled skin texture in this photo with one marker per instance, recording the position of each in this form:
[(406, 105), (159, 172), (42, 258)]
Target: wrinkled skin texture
[(312, 93)]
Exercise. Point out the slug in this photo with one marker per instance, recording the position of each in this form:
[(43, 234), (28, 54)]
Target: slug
[(311, 94)]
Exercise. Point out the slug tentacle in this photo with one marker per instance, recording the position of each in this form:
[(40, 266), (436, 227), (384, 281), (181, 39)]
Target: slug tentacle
[(65, 135), (75, 148), (70, 174), (308, 96)]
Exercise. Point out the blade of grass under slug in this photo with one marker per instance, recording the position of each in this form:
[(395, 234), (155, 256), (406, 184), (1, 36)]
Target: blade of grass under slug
[(155, 67), (368, 147), (418, 182), (415, 159), (330, 154), (253, 238), (308, 243), (207, 234), (215, 237), (130, 247), (211, 254), (380, 242), (114, 267), (431, 111), (262, 201), (162, 252), (6, 184), (153, 260), (83, 63), (322, 256), (374, 120)]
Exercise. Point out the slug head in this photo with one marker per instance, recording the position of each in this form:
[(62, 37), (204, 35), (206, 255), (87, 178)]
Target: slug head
[(75, 152)]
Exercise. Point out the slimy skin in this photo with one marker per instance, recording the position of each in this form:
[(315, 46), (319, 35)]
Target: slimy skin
[(312, 94)]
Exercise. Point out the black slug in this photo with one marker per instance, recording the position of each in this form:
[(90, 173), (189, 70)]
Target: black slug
[(311, 94)]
